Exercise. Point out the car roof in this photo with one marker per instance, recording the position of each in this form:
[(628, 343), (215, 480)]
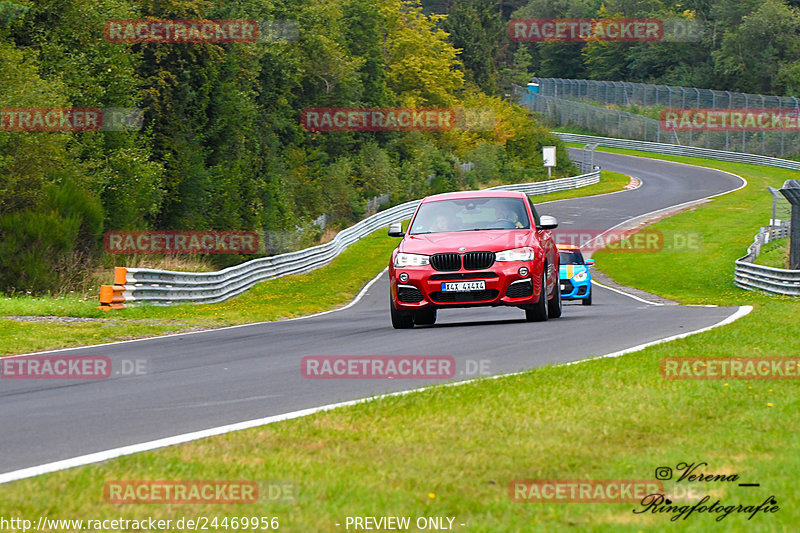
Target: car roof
[(461, 195)]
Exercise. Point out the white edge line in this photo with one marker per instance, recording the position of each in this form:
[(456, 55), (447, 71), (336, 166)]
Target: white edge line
[(646, 216), (742, 311), (353, 302), (105, 455), (371, 282), (629, 295), (623, 190), (179, 439)]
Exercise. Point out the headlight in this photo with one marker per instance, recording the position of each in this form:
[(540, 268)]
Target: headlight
[(580, 276), (402, 260), (517, 254)]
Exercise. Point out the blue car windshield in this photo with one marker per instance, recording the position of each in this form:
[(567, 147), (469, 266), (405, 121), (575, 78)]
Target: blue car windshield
[(571, 257), (470, 214)]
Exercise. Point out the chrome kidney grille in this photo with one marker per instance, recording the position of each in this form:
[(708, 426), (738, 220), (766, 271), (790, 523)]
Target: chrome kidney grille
[(451, 261), (446, 262), (478, 260)]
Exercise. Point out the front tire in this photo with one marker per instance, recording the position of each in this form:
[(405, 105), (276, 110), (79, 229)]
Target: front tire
[(554, 304), (588, 299), (538, 313), (400, 319), (425, 317)]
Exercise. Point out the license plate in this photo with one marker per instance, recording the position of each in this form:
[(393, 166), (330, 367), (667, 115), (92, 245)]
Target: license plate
[(463, 286), (563, 287)]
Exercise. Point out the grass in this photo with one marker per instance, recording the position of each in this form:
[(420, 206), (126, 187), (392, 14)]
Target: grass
[(285, 297), (445, 452), (452, 451), (775, 254), (609, 182)]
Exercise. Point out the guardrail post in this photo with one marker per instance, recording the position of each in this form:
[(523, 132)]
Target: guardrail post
[(791, 190)]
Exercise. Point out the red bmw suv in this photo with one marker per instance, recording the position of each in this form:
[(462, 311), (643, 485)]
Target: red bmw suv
[(476, 248)]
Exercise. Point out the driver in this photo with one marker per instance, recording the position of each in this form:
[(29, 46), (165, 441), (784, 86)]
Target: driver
[(509, 215)]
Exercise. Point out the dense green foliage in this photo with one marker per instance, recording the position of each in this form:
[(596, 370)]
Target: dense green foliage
[(747, 45), (221, 145)]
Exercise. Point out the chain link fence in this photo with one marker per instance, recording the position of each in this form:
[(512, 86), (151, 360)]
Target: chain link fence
[(645, 94), (582, 103)]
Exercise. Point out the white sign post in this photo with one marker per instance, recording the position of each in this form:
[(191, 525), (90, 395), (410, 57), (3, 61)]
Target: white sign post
[(549, 158)]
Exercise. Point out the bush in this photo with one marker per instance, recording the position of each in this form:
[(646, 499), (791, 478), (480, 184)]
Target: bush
[(30, 245), (49, 248)]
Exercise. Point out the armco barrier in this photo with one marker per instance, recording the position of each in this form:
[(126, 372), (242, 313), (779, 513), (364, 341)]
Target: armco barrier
[(676, 149), (750, 276), (747, 275), (164, 287)]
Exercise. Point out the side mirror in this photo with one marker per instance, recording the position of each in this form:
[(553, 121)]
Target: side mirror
[(589, 262), (548, 222), (396, 230)]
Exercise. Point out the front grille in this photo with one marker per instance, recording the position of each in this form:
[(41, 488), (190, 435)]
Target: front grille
[(520, 289), (463, 275), (473, 296), (445, 262), (408, 295), (478, 260), (568, 287)]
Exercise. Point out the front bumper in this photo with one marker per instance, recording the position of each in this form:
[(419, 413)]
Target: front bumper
[(575, 290), (504, 286)]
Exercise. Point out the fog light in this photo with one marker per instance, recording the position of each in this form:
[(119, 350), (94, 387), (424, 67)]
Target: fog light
[(523, 271), (403, 277)]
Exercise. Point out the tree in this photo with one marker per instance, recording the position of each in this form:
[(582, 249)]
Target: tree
[(476, 29), (754, 53)]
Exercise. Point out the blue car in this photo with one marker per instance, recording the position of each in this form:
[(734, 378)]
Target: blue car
[(574, 275)]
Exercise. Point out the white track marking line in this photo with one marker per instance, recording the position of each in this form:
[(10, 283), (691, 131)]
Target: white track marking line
[(626, 294), (353, 302), (105, 455), (644, 217), (743, 310), (371, 282), (187, 437)]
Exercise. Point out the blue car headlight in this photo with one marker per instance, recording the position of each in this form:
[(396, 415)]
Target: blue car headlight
[(580, 276)]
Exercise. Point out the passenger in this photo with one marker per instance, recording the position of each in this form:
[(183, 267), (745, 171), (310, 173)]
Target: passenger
[(442, 224)]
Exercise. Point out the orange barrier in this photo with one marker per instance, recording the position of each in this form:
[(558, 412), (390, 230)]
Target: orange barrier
[(112, 296)]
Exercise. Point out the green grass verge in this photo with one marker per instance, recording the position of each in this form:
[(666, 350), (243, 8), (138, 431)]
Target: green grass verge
[(452, 451), (286, 297), (609, 182), (775, 254)]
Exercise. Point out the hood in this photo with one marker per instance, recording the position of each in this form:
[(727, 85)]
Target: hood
[(473, 241), (569, 270)]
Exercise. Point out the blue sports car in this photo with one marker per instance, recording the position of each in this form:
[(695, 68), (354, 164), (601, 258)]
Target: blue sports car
[(574, 275)]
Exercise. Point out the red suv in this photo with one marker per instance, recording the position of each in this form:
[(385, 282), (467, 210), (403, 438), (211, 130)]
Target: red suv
[(469, 249)]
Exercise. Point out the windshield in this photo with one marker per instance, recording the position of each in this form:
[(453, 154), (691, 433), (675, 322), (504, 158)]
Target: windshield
[(571, 257), (470, 214)]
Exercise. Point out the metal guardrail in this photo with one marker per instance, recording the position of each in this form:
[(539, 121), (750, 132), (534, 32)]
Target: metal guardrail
[(747, 275), (750, 276), (164, 287), (674, 149)]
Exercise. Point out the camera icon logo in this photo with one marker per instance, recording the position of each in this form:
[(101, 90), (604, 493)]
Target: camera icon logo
[(663, 473)]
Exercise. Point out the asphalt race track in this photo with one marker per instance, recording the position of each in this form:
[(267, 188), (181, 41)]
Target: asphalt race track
[(213, 378)]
